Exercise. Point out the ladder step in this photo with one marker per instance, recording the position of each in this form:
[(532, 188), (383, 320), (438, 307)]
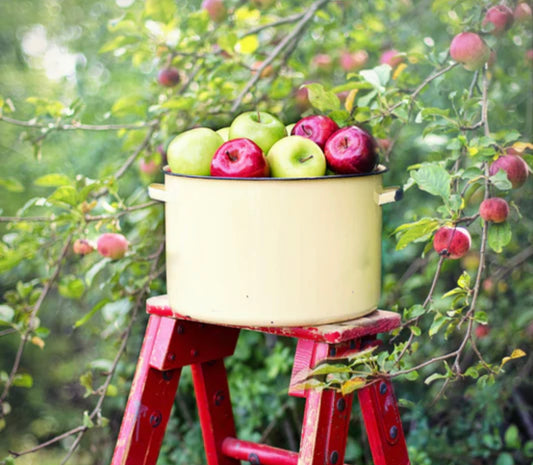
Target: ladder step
[(257, 453)]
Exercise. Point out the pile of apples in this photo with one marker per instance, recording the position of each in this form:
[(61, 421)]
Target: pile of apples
[(257, 144)]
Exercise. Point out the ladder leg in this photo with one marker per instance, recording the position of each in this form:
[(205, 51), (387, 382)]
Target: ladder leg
[(214, 409), (383, 424), (148, 408)]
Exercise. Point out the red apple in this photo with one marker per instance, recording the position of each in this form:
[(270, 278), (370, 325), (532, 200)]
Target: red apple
[(168, 77), (301, 98), (82, 247), (323, 62), (529, 56), (215, 9), (452, 242), (112, 245), (318, 128), (494, 209), (391, 58), (482, 331), (469, 49), (384, 144), (501, 17), (239, 158), (522, 12), (351, 61), (515, 167), (351, 150)]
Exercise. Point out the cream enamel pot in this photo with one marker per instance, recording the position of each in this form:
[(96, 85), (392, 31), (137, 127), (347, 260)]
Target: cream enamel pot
[(273, 251)]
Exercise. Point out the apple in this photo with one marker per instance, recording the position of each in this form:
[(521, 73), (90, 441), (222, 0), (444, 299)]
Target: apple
[(482, 331), (351, 150), (296, 157), (289, 127), (267, 72), (515, 167), (82, 247), (501, 17), (168, 77), (301, 98), (529, 56), (224, 133), (469, 49), (522, 12), (391, 58), (263, 128), (112, 245), (352, 61), (239, 158), (318, 128), (384, 144), (191, 151), (452, 242), (215, 9), (323, 62), (494, 209)]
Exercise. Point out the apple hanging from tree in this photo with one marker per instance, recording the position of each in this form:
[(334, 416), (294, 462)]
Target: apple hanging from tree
[(239, 158), (452, 242), (323, 62), (168, 77), (352, 61), (191, 151), (469, 49), (522, 12), (263, 128), (82, 247), (318, 128), (215, 9), (515, 167), (112, 245), (501, 17), (296, 157), (391, 58), (494, 209), (351, 150)]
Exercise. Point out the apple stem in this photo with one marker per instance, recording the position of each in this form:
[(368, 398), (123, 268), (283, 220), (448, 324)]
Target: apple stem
[(307, 131), (303, 160), (230, 156), (258, 116), (345, 142)]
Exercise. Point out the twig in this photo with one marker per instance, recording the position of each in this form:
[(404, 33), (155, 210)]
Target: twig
[(513, 262), (20, 219), (121, 213), (279, 22), (48, 443)]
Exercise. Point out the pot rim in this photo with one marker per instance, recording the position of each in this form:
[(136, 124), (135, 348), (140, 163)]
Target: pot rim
[(380, 170)]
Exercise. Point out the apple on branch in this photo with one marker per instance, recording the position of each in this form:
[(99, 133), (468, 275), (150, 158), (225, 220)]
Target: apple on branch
[(391, 57), (112, 245), (351, 150), (215, 9), (239, 158), (500, 17), (452, 242), (168, 77), (469, 49), (514, 166), (191, 151), (494, 209), (263, 128), (296, 157)]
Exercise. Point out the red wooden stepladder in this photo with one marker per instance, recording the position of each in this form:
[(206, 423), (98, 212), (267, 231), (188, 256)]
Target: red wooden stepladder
[(172, 342)]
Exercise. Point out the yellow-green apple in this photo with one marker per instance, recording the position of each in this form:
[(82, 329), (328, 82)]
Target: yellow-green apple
[(494, 209), (191, 151), (82, 247), (289, 128), (318, 128), (500, 17), (239, 158), (168, 77), (351, 150), (296, 157), (469, 49), (452, 242), (515, 167), (391, 57), (112, 245), (224, 133), (263, 128)]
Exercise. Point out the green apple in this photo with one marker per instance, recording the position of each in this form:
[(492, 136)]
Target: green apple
[(224, 133), (191, 151), (289, 127), (296, 157), (260, 127)]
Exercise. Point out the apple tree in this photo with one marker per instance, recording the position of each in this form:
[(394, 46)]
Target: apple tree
[(93, 92)]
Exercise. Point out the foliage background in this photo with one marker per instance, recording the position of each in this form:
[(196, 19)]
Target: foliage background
[(96, 62)]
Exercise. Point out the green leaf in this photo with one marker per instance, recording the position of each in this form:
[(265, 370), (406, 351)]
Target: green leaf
[(499, 236), (501, 181), (6, 314), (53, 180), (71, 287), (64, 194), (377, 77), (415, 232), (87, 422), (415, 330), (352, 384), (434, 377), (85, 318), (128, 105), (322, 99), (433, 179), (326, 369), (23, 380), (11, 185), (412, 375), (472, 372), (44, 106), (437, 324), (505, 459), (86, 380), (464, 281), (512, 437), (161, 10)]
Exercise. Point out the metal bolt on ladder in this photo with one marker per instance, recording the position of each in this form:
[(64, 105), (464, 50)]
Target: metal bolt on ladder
[(172, 342)]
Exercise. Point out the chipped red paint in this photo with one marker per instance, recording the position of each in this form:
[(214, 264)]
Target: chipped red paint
[(173, 341)]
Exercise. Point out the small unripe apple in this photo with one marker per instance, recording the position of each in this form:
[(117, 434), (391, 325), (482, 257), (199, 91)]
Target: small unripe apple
[(323, 62), (215, 9), (452, 242), (351, 61), (522, 12), (501, 17), (82, 247), (301, 98), (482, 331), (267, 72), (112, 245), (168, 77), (488, 286), (515, 167), (391, 58), (384, 144), (469, 49), (494, 209)]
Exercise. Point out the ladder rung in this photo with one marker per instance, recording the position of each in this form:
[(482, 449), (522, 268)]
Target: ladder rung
[(258, 453)]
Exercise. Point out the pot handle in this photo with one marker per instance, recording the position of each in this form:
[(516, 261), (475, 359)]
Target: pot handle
[(157, 191), (391, 194)]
